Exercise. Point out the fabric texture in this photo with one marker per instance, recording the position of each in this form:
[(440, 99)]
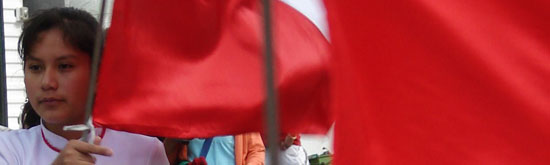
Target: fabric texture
[(203, 62), (440, 82)]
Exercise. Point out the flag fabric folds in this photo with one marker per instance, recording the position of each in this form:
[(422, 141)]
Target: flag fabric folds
[(441, 82), (194, 68)]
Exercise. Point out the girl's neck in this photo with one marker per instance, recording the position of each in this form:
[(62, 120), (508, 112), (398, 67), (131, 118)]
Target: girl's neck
[(58, 130)]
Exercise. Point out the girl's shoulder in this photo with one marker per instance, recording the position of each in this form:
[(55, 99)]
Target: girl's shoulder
[(128, 137), (19, 135), (15, 144), (139, 148), (19, 139), (130, 142)]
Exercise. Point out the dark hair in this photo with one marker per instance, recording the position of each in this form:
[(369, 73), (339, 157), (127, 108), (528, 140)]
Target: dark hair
[(29, 118), (79, 30)]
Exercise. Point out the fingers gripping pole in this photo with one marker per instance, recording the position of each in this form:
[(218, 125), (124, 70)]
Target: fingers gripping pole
[(88, 129)]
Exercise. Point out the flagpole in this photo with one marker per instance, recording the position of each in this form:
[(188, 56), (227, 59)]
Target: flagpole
[(270, 113), (3, 88), (98, 45)]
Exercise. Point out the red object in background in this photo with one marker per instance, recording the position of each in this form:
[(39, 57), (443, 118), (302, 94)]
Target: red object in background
[(199, 161), (441, 82), (194, 68)]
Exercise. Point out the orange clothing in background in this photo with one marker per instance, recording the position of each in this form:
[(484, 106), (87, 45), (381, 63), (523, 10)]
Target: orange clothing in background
[(249, 149)]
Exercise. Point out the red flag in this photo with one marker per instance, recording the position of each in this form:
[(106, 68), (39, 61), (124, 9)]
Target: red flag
[(441, 82), (194, 68)]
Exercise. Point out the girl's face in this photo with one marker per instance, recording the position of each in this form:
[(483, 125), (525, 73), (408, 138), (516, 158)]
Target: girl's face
[(56, 79)]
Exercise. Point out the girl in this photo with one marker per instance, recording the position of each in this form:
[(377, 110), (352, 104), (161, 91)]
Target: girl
[(56, 48)]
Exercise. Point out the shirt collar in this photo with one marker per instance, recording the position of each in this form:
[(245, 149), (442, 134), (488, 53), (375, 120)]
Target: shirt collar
[(52, 138), (57, 141)]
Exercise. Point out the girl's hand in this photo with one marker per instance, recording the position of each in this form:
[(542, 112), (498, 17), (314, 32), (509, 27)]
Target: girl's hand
[(79, 152)]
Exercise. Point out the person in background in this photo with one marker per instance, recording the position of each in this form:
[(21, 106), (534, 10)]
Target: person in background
[(292, 152), (242, 149)]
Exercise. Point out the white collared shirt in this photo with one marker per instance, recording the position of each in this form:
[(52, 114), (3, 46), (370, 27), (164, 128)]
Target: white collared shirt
[(27, 146)]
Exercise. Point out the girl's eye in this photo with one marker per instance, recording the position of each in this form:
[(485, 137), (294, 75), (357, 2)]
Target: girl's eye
[(35, 68), (65, 66)]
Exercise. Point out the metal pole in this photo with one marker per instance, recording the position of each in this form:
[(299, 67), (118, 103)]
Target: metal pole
[(3, 89), (93, 75), (270, 114)]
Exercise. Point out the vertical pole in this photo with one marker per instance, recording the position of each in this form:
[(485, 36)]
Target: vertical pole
[(3, 89), (93, 75), (270, 114)]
